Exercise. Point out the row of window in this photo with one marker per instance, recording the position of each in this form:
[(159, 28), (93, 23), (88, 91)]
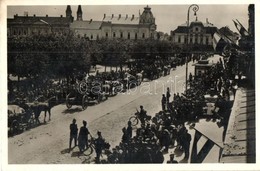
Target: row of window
[(195, 39), (128, 35), (121, 35)]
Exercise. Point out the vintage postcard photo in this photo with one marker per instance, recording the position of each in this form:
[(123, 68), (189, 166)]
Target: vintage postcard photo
[(145, 83)]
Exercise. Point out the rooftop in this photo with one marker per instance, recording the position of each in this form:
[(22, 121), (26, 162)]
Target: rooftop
[(122, 19), (90, 25)]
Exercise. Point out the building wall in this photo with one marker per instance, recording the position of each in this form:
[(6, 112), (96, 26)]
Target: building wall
[(91, 34), (199, 34)]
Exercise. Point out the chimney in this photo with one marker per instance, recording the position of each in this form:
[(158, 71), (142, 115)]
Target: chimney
[(90, 21), (60, 16), (119, 16), (126, 16), (46, 15), (104, 16), (207, 21), (34, 15), (112, 15)]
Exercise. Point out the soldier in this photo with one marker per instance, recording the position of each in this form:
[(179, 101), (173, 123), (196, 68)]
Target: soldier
[(129, 130), (172, 159), (163, 101), (83, 137), (142, 115), (73, 133), (125, 136), (168, 95), (186, 144), (99, 144)]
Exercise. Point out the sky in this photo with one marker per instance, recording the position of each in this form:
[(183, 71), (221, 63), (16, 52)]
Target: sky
[(167, 17)]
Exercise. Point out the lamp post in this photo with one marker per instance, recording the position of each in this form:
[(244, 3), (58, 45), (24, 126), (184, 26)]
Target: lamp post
[(195, 8)]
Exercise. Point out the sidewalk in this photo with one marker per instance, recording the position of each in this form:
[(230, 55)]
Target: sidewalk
[(239, 145)]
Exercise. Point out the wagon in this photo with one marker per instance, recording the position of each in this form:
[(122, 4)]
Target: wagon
[(18, 119), (76, 99)]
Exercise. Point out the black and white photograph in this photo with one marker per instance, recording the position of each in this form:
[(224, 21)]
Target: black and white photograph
[(144, 83)]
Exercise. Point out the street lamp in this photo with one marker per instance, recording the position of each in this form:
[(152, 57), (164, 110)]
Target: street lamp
[(195, 8)]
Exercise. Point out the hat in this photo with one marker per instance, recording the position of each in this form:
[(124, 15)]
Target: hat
[(84, 122)]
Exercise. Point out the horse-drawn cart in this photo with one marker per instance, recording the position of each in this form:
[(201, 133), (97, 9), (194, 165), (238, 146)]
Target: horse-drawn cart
[(77, 99), (92, 92), (18, 119)]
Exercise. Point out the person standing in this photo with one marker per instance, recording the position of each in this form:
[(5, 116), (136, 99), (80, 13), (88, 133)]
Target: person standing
[(129, 130), (168, 95), (163, 101), (125, 136), (142, 115), (83, 137), (73, 133), (99, 145), (186, 144)]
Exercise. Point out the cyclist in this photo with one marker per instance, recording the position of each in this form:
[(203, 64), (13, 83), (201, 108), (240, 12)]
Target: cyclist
[(142, 115)]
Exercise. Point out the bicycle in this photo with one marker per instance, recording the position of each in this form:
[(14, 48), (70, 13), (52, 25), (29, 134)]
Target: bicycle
[(91, 146), (135, 119)]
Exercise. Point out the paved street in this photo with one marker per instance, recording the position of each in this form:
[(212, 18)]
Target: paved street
[(51, 140)]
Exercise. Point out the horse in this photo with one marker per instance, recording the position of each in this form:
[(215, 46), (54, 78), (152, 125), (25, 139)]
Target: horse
[(38, 107)]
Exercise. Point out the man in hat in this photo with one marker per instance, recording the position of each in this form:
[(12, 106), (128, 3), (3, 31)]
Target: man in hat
[(163, 102), (129, 130), (83, 137), (99, 144), (142, 115), (73, 133), (172, 159)]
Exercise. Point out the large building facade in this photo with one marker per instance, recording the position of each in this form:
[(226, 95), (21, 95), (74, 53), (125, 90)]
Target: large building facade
[(117, 26), (31, 25), (126, 27), (198, 34)]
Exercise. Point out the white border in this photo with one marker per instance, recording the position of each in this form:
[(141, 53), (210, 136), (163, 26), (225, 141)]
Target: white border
[(154, 167)]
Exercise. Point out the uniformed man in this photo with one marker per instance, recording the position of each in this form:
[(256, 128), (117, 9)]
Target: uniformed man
[(99, 144), (142, 115), (163, 101), (83, 137), (73, 133)]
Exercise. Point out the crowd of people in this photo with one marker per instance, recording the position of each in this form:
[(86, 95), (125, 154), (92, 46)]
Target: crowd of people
[(167, 128)]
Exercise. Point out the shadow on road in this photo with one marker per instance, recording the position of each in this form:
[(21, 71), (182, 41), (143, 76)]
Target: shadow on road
[(71, 111), (67, 150)]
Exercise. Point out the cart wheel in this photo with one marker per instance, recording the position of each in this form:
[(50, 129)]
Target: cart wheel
[(15, 126), (134, 120), (68, 104), (84, 102)]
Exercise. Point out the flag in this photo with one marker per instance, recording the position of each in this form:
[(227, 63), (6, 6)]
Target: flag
[(240, 28), (198, 152), (220, 43), (216, 39)]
